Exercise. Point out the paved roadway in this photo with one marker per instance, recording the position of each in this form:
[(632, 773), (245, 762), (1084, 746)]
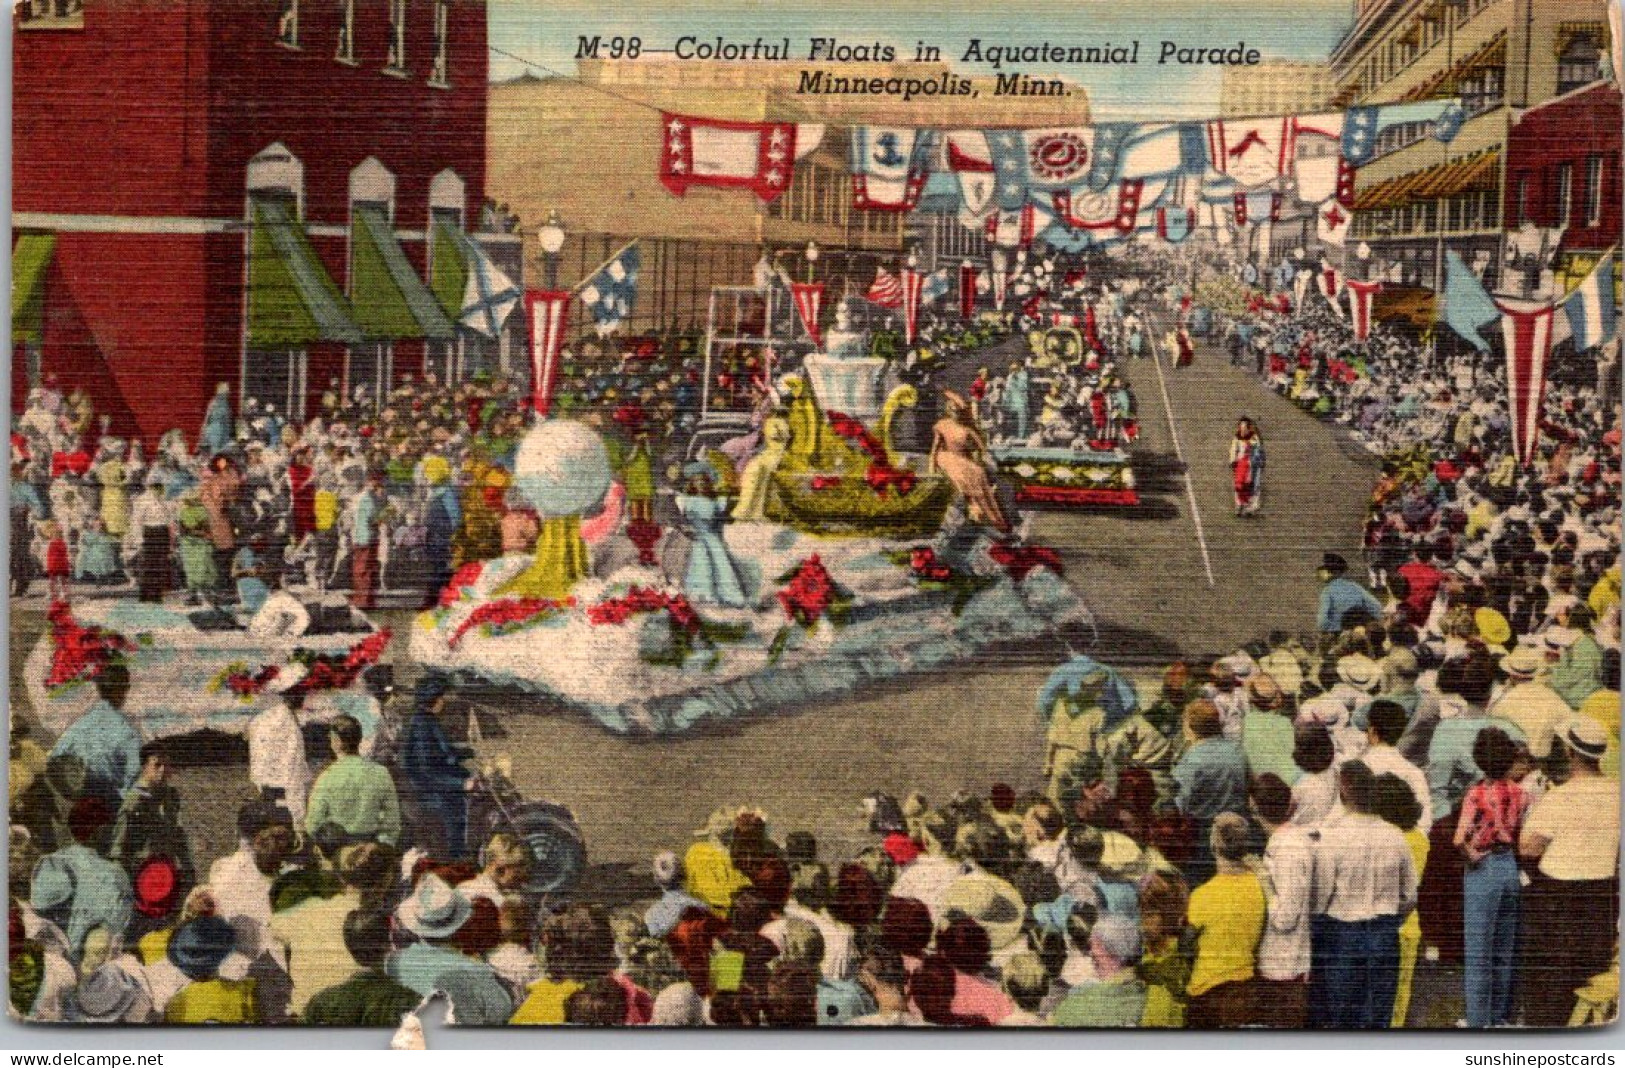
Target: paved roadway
[(1142, 573)]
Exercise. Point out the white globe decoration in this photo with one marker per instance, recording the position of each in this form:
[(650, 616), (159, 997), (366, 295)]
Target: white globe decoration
[(562, 468)]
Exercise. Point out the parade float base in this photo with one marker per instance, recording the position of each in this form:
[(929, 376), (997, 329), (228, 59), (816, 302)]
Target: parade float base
[(177, 670), (894, 628), (1068, 476)]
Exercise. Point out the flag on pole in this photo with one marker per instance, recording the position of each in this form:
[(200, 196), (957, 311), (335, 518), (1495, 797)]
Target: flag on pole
[(1590, 308), (1467, 308), (886, 290), (1527, 331), (967, 289), (610, 291), (489, 296), (808, 298), (549, 315), (759, 156), (1360, 295), (913, 285)]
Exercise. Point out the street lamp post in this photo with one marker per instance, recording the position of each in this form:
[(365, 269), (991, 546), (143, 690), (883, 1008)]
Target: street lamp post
[(551, 238), (812, 259)]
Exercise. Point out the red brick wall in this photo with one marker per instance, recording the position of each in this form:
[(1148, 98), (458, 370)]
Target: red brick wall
[(1570, 130)]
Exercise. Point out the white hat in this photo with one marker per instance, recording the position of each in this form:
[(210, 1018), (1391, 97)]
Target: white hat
[(434, 910), (1360, 671)]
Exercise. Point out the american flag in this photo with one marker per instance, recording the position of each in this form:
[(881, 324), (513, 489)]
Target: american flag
[(887, 291)]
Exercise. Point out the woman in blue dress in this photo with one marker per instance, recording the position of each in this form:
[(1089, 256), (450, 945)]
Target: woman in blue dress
[(713, 576)]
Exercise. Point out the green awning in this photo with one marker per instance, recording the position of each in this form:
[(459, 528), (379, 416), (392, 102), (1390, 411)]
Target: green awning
[(390, 301), (292, 300), (30, 259), (449, 275)]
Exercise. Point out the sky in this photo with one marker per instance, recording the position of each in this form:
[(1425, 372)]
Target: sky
[(544, 33)]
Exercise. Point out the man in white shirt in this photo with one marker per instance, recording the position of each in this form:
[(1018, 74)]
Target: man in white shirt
[(1284, 956), (1364, 887), (809, 898), (1529, 700), (1571, 907), (276, 746), (1385, 726)]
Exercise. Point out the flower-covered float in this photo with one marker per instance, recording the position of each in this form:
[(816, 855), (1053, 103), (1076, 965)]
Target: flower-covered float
[(193, 671), (803, 613)]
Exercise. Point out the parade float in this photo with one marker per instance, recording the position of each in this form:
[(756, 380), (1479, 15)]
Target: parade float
[(1085, 470), (844, 567), (201, 670)]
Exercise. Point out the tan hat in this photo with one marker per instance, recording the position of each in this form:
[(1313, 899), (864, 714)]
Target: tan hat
[(990, 901), (1557, 639), (1586, 736), (1360, 672), (1523, 662), (1266, 693)]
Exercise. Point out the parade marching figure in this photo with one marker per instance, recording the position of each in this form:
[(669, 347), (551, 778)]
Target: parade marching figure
[(959, 452), (1186, 354), (1247, 467)]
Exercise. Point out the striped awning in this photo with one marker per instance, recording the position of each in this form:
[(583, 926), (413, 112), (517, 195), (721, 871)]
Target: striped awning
[(1444, 82), (390, 301), (292, 300), (30, 259), (1470, 174)]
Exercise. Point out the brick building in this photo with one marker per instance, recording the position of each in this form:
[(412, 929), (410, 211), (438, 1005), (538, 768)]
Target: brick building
[(267, 193)]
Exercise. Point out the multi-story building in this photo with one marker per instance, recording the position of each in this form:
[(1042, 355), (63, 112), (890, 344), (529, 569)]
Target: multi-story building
[(1420, 196), (1275, 87), (1563, 175), (588, 148), (272, 194)]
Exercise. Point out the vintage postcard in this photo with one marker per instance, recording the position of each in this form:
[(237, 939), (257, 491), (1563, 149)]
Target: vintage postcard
[(717, 514)]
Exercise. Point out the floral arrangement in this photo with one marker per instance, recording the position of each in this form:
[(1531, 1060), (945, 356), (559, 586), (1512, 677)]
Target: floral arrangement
[(509, 615), (880, 476), (808, 594), (930, 572), (1019, 561), (329, 671), (686, 631), (242, 682), (80, 652), (462, 579)]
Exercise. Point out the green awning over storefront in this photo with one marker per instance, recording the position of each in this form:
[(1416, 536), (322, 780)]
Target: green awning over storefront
[(390, 301), (292, 300), (30, 259), (449, 276)]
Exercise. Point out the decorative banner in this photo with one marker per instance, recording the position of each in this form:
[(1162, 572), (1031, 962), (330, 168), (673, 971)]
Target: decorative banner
[(1330, 282), (610, 291), (1175, 224), (1009, 229), (808, 298), (1360, 294), (549, 315), (912, 283), (1300, 286), (489, 296), (1332, 223), (1527, 332), (886, 290), (759, 156), (1083, 210), (967, 155), (1239, 207), (1590, 308), (1251, 151), (889, 166), (967, 289)]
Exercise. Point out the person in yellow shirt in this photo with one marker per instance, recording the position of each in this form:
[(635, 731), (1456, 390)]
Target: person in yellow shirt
[(1602, 707), (1227, 915), (712, 875), (198, 948), (1395, 802), (577, 946), (1605, 594)]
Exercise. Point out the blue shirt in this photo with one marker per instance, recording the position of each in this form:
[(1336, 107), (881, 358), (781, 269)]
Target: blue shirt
[(24, 495), (365, 531), (103, 740), (1211, 778), (1451, 768), (100, 892), (1338, 597), (477, 995), (663, 916)]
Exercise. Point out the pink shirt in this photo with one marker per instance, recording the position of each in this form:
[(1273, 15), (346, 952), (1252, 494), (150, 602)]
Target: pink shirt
[(978, 997)]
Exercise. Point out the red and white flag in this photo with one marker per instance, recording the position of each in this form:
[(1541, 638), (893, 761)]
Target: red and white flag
[(886, 290), (759, 156), (549, 315), (912, 282), (808, 298), (1527, 331), (1360, 294), (1011, 228), (967, 289), (1252, 151), (1114, 209), (1329, 280)]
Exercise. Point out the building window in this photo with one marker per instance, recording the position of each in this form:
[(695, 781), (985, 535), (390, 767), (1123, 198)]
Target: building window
[(440, 70), (277, 174), (346, 49), (1565, 194), (1593, 204), (1523, 200), (396, 60), (287, 23), (51, 15), (1580, 64)]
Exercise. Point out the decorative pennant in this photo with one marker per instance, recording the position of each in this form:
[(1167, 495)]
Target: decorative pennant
[(1527, 331), (967, 289), (1360, 296), (549, 314), (759, 156), (1083, 210), (912, 283), (808, 297)]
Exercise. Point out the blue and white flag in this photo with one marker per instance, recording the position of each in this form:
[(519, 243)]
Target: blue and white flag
[(935, 287), (889, 166), (489, 295), (1361, 125), (1467, 308), (1590, 308), (1168, 149), (610, 293)]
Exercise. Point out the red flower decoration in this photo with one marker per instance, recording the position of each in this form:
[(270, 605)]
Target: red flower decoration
[(508, 615), (81, 652), (641, 600), (1019, 560), (461, 580)]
